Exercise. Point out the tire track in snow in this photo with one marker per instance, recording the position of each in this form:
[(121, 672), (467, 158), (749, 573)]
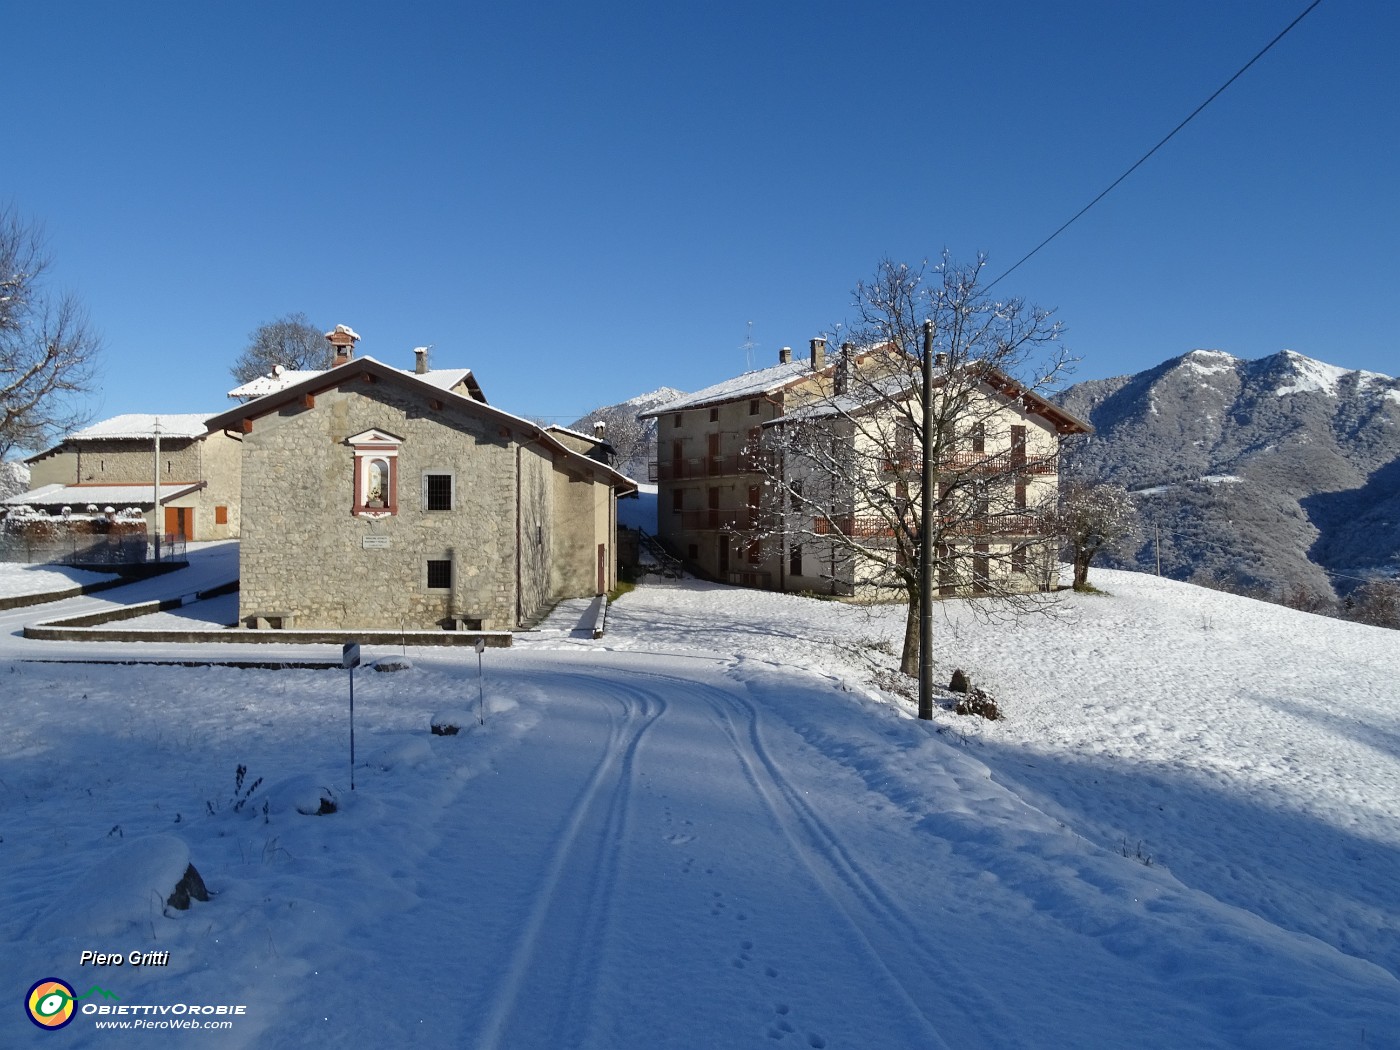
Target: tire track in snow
[(561, 929), (854, 893), (826, 857)]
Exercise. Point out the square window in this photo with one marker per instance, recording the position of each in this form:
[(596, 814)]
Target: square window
[(753, 406), (220, 515), (437, 491), (676, 420), (714, 415), (439, 574)]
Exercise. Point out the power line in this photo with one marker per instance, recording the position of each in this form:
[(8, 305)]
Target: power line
[(1197, 540), (1154, 149)]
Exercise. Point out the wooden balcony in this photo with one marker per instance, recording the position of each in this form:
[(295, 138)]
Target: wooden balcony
[(708, 467), (874, 526), (1010, 462), (728, 519)]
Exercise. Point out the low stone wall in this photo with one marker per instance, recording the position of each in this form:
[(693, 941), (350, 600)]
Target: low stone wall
[(55, 633)]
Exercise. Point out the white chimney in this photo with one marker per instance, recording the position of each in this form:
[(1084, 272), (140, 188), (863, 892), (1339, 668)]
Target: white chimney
[(420, 360)]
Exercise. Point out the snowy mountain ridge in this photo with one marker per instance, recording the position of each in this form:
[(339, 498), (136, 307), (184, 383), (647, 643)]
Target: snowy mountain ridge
[(1315, 450)]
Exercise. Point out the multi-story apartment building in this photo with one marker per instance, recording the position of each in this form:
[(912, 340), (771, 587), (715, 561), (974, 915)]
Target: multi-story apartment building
[(738, 506)]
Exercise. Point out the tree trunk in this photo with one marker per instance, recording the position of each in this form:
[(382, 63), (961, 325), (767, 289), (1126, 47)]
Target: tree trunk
[(909, 657), (1081, 568)]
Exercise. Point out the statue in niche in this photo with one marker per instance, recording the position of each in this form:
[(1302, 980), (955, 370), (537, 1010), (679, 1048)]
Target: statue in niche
[(377, 483)]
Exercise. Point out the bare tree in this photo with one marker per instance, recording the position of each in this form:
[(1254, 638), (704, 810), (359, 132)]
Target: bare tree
[(846, 466), (1093, 515), (291, 341), (47, 349), (1376, 602)]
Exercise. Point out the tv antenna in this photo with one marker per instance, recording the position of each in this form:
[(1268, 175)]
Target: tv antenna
[(748, 347)]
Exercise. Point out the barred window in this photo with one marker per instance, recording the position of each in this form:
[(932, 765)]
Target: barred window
[(437, 491), (439, 574)]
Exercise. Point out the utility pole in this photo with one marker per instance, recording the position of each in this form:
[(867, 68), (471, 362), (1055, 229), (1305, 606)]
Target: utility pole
[(155, 486), (926, 510)]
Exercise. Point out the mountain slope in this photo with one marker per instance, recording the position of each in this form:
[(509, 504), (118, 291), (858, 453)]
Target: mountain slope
[(1266, 474), (634, 439)]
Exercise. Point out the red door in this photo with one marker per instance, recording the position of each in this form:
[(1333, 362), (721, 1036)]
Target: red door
[(179, 521)]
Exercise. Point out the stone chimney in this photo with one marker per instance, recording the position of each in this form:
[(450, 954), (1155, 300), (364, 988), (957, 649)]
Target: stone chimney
[(598, 429), (843, 368), (818, 354), (343, 338), (785, 355), (420, 360)]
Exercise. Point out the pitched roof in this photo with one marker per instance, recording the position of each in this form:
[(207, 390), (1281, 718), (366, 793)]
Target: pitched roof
[(751, 384), (891, 387), (132, 426), (316, 382), (143, 424), (101, 495), (442, 378)]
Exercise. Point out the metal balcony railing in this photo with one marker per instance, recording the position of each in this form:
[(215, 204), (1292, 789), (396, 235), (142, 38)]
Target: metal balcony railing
[(708, 467), (875, 526), (1011, 462)]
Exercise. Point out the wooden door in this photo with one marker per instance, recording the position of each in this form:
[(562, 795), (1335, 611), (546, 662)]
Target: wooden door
[(179, 521)]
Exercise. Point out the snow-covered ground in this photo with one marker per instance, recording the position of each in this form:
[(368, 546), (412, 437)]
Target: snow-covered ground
[(18, 579), (708, 830)]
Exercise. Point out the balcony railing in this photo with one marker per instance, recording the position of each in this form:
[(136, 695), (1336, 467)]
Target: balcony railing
[(1010, 462), (874, 526), (708, 467), (730, 519)]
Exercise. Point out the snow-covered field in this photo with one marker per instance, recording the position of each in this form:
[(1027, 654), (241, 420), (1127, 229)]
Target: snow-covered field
[(708, 830)]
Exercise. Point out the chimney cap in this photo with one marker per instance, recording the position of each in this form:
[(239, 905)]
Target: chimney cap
[(343, 335)]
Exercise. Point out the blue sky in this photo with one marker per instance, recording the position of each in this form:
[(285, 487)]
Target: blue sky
[(583, 202)]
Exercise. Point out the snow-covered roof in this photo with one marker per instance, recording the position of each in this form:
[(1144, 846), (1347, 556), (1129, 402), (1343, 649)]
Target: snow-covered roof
[(143, 424), (245, 413), (443, 378), (750, 384), (278, 379), (102, 495), (872, 393), (592, 439)]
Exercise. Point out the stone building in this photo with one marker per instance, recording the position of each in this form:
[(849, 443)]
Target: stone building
[(732, 507), (379, 498), (114, 464)]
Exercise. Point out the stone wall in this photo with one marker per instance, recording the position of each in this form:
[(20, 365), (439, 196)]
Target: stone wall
[(309, 561), (538, 519), (214, 460), (577, 536)]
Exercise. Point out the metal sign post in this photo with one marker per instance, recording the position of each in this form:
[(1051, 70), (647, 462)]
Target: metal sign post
[(480, 689), (350, 659)]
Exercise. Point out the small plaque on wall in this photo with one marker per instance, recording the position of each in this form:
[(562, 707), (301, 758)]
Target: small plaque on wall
[(375, 543)]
